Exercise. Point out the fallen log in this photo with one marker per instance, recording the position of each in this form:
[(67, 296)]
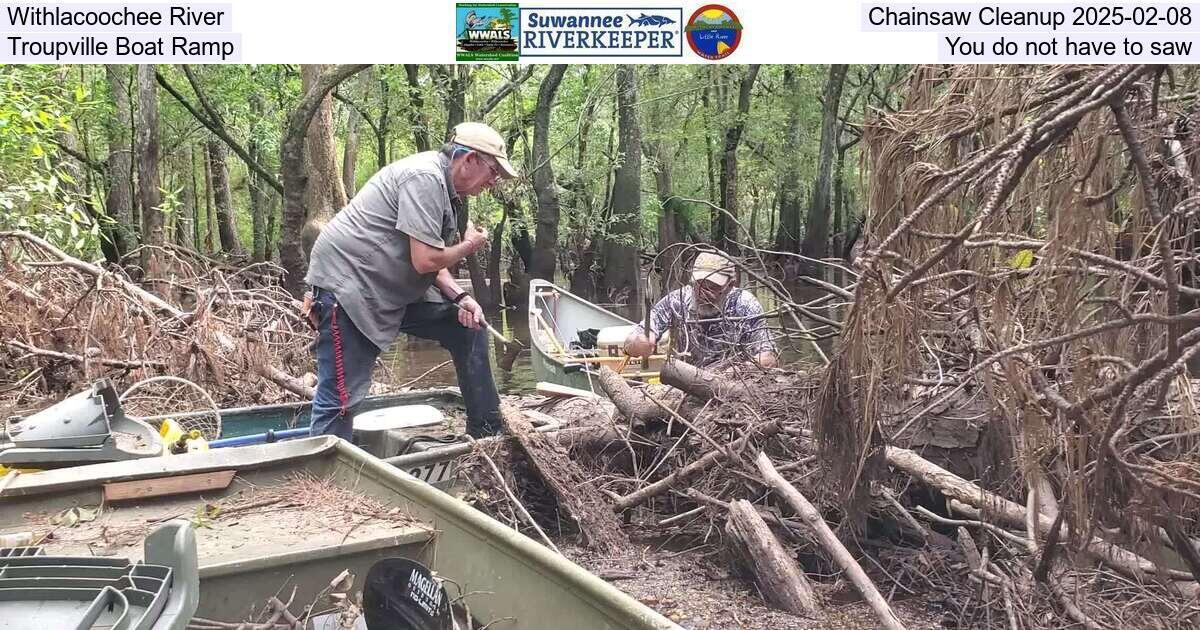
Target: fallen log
[(33, 298), (759, 553), (633, 404), (681, 475), (512, 498), (825, 536), (703, 383), (570, 485), (287, 381), (65, 260), (75, 358), (1013, 515)]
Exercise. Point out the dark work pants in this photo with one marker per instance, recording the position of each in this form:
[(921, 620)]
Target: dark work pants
[(346, 360)]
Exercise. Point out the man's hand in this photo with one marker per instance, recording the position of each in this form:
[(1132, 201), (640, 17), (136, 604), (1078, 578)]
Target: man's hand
[(638, 345), (306, 310), (475, 236), (470, 313), (767, 360)]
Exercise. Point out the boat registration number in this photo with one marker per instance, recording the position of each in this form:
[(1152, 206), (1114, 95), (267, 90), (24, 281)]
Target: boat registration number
[(434, 472)]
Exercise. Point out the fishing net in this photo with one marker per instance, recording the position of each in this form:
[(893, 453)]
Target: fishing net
[(156, 399)]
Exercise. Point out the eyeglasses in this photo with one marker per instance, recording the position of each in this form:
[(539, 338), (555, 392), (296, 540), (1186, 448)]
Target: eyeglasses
[(493, 166)]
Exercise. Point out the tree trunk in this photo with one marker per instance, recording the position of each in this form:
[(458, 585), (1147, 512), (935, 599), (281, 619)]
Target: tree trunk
[(416, 109), (197, 234), (324, 195), (295, 172), (816, 226), (385, 117), (148, 178), (350, 152), (787, 239), (705, 384), (775, 215), (210, 244), (727, 229), (457, 78), (839, 199), (636, 405), (671, 208), (119, 201), (258, 196), (625, 228), (706, 100), (756, 202), (580, 233), (221, 200), (758, 552), (183, 213), (495, 253), (272, 231), (583, 278), (544, 186)]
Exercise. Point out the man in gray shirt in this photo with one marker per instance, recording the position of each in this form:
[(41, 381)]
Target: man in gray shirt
[(379, 268)]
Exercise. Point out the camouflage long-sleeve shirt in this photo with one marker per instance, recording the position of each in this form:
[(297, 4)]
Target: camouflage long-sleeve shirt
[(738, 331)]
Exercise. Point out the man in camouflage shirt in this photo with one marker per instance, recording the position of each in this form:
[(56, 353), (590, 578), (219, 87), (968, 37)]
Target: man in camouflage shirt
[(711, 318)]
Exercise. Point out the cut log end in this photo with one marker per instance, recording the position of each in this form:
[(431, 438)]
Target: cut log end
[(758, 552)]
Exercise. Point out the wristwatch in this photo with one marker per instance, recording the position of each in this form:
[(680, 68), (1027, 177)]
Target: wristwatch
[(461, 296)]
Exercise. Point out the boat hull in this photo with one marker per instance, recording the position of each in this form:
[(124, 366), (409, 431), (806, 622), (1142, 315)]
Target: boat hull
[(510, 576), (563, 315)]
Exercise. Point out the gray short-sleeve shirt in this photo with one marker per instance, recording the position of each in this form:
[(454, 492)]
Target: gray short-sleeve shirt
[(363, 254)]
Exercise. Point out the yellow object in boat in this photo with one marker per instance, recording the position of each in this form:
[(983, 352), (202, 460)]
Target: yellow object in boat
[(176, 440), (4, 470), (170, 431), (195, 442)]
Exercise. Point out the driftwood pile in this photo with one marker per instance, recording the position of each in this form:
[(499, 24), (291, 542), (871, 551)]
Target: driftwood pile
[(703, 461), (1009, 418), (64, 322)]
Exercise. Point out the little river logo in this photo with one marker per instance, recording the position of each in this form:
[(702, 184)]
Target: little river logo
[(714, 32), (486, 31), (601, 32)]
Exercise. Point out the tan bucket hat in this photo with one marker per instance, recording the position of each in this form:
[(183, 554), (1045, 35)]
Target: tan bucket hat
[(714, 268), (484, 139)]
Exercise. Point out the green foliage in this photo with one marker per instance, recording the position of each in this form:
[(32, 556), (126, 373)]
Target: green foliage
[(37, 192), (684, 113)]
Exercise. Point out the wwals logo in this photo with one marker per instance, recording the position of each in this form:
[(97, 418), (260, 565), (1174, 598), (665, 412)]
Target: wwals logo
[(486, 31)]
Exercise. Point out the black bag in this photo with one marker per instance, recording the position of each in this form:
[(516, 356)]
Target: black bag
[(587, 339)]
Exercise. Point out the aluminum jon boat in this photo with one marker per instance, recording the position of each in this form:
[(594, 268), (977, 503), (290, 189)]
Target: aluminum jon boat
[(415, 430), (272, 517)]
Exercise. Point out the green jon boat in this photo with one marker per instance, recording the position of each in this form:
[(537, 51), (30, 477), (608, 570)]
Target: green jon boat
[(571, 338), (273, 517)]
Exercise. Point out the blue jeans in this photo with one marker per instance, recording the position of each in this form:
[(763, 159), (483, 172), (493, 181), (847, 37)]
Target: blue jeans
[(346, 360)]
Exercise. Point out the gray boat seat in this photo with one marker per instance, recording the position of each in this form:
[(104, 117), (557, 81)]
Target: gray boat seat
[(386, 431), (41, 591), (88, 427)]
